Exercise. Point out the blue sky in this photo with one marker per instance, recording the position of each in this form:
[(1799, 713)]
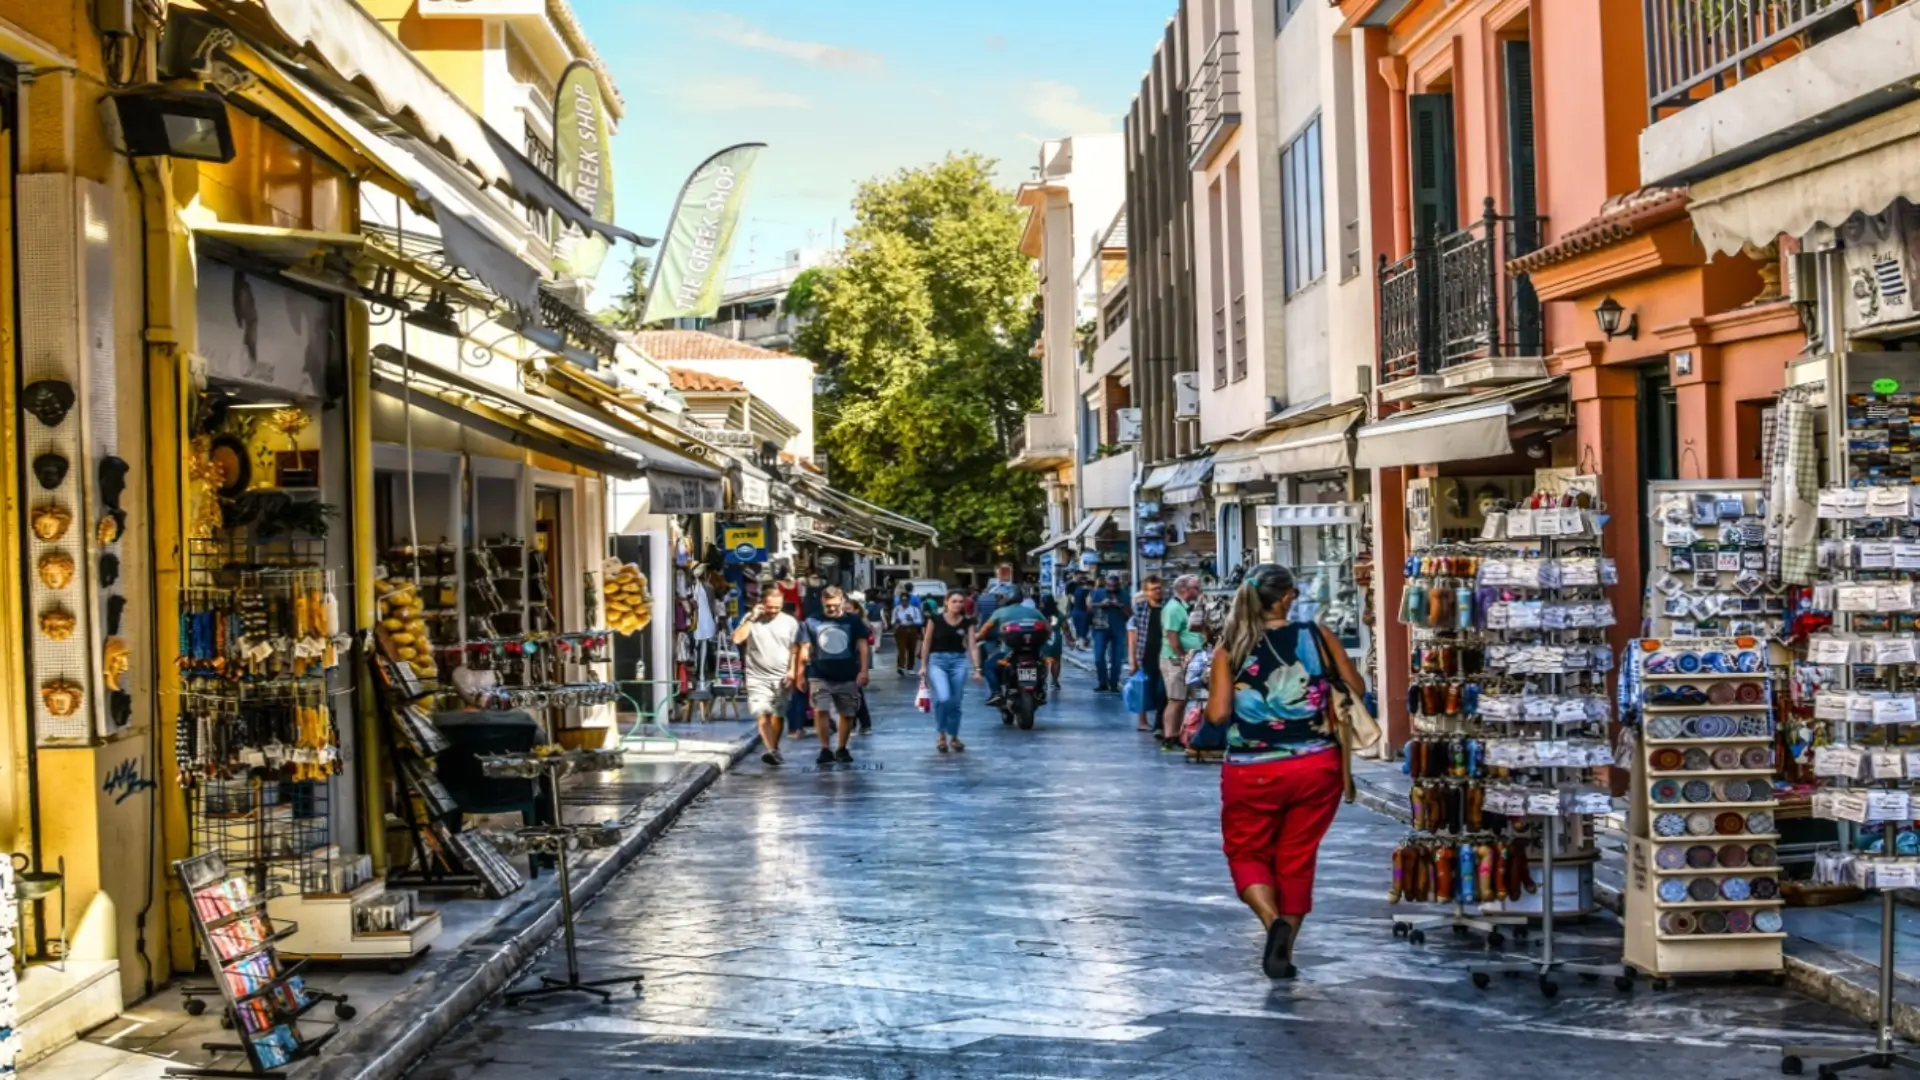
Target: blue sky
[(843, 90)]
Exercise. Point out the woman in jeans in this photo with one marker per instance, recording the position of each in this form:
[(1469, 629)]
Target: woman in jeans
[(1272, 686), (946, 653)]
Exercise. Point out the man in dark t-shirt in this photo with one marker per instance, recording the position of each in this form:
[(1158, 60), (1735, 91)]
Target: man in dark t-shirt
[(837, 651), (1144, 635)]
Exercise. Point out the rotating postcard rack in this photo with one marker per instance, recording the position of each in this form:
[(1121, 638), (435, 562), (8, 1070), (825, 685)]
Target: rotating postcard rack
[(1546, 611)]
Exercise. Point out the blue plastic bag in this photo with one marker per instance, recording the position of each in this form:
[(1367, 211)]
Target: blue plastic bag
[(1134, 693)]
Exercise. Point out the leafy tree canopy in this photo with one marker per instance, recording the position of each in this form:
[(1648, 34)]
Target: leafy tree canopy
[(922, 331), (624, 312)]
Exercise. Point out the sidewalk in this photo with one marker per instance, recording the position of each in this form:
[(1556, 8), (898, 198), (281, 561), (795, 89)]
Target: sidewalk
[(1832, 953), (484, 947)]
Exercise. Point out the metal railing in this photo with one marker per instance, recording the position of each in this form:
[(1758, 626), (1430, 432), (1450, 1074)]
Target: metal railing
[(1239, 337), (1696, 48), (1452, 301), (1213, 94), (1219, 347)]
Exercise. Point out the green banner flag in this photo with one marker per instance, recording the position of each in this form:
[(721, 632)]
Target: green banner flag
[(583, 166), (693, 256)]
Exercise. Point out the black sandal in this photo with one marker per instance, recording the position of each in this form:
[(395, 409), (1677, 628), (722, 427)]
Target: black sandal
[(1277, 961)]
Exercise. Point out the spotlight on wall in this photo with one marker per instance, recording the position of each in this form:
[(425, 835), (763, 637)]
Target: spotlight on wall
[(164, 121), (435, 315), (1608, 315)]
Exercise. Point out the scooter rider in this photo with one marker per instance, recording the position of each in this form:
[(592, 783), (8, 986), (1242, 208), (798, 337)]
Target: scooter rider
[(1013, 608)]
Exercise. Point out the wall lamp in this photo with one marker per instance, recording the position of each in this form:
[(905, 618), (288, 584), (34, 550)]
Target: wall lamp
[(164, 121), (1608, 315)]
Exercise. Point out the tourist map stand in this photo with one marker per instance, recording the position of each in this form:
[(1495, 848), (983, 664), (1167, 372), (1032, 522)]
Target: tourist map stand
[(557, 839)]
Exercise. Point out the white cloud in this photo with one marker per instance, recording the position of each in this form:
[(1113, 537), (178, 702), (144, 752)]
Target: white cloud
[(728, 93), (1058, 106), (738, 31)]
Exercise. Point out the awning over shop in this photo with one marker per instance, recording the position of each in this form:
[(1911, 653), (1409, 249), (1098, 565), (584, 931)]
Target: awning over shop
[(1457, 429), (1161, 476), (1238, 462), (1055, 542), (828, 540), (1189, 483), (491, 419), (1860, 168), (1088, 530), (1319, 446), (326, 260)]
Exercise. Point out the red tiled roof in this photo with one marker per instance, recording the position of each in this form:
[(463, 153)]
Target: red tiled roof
[(687, 380), (1619, 217), (666, 346)]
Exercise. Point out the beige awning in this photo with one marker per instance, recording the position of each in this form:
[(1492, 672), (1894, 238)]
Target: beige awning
[(1189, 485), (1089, 529), (1161, 476), (1861, 168), (1456, 429), (1320, 446)]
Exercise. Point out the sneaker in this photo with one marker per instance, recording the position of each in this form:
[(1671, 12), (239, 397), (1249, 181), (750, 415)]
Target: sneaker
[(866, 729), (995, 701), (842, 756), (770, 758), (825, 758), (779, 758)]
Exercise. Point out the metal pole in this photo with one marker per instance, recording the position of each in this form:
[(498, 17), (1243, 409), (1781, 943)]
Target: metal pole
[(566, 881)]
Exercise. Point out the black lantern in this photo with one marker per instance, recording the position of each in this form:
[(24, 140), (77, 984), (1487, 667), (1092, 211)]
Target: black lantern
[(436, 315), (162, 121), (1608, 315)]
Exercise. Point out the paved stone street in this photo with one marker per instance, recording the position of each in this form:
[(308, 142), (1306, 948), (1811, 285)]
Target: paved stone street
[(1051, 904)]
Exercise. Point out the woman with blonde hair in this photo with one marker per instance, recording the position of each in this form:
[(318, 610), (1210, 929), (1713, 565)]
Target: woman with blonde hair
[(1272, 684)]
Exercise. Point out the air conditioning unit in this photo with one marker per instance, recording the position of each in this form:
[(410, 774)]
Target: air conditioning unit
[(1186, 396), (1127, 426)]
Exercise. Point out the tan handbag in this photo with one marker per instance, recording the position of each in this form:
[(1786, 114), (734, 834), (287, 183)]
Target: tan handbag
[(1353, 727)]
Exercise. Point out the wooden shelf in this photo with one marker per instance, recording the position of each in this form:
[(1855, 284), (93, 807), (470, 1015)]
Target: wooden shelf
[(1718, 838), (1700, 742), (1672, 677), (1689, 774), (1665, 807), (1757, 706), (1721, 939), (1720, 871), (1702, 905)]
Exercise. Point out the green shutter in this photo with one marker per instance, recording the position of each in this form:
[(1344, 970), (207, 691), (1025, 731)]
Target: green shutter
[(1435, 202), (1523, 199)]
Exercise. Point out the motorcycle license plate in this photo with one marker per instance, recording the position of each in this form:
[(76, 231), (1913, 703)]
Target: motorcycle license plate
[(1029, 675)]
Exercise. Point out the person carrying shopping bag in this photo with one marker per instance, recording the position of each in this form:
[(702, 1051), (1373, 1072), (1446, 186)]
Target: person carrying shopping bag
[(946, 652)]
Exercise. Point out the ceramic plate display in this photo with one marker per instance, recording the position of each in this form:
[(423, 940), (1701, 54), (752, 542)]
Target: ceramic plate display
[(1767, 922), (1762, 855), (1697, 791), (1751, 693), (1726, 758), (1667, 759), (1764, 888), (1722, 694), (1700, 823), (1733, 855), (1713, 922), (1735, 888), (1703, 890), (1729, 824), (1673, 891), (1669, 857), (1757, 757), (1756, 727), (1748, 661), (1690, 727), (1715, 726), (1679, 923), (1664, 791), (1670, 825), (1739, 922), (1760, 823), (1699, 857), (1687, 663), (1730, 791), (1696, 759), (1664, 727)]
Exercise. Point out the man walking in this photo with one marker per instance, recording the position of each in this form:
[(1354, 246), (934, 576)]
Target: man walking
[(1105, 607), (770, 653), (1078, 615), (837, 651), (909, 623), (1145, 637), (1182, 640)]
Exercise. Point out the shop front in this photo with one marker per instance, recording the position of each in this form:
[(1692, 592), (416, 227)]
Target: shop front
[(1174, 521)]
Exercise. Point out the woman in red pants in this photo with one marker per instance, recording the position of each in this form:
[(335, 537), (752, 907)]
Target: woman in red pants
[(1281, 784)]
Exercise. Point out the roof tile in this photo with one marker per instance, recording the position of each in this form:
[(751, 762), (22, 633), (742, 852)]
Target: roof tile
[(687, 380), (666, 346)]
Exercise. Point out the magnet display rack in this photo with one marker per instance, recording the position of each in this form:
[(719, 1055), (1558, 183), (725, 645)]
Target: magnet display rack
[(1548, 610), (1453, 838), (1869, 574), (1703, 862)]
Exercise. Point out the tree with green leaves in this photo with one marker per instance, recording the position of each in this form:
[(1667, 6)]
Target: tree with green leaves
[(922, 331), (625, 311)]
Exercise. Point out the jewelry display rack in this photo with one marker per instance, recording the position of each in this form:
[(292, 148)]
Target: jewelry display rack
[(557, 840), (1547, 607), (1452, 834)]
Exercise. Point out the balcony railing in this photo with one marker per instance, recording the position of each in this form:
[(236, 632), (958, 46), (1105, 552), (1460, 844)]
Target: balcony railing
[(1696, 48), (1239, 337), (1452, 301), (1213, 98), (1220, 347)]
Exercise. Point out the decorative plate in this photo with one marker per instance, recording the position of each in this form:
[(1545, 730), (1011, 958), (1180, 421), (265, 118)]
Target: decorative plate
[(1703, 890), (1664, 727), (1697, 791), (1760, 822), (1670, 825), (1696, 759), (1751, 693), (1667, 759), (1673, 891), (229, 455), (1755, 727), (1735, 888), (1722, 694), (1678, 923), (1732, 856), (1687, 663), (1758, 757), (1700, 823), (1762, 855), (1713, 726), (1669, 857), (1748, 661), (1713, 922), (1699, 857), (1767, 922), (1764, 888), (1729, 824), (1690, 727), (1739, 922), (1664, 791), (1726, 758), (1730, 791)]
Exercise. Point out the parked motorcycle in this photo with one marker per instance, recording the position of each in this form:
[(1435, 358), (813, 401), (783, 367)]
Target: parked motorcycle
[(1022, 673)]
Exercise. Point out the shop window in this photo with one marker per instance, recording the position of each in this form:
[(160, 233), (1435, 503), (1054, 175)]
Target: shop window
[(1318, 536)]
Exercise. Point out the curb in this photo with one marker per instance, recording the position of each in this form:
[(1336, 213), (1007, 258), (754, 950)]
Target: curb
[(400, 1033)]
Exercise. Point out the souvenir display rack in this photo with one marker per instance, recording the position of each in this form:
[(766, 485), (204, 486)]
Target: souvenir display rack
[(266, 998), (10, 937), (1546, 611), (557, 840), (1710, 576), (1458, 854), (1703, 865)]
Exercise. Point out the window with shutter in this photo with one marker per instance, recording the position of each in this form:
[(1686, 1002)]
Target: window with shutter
[(1522, 197), (1435, 204)]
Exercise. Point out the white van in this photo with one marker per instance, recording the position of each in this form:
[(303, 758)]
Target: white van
[(923, 587)]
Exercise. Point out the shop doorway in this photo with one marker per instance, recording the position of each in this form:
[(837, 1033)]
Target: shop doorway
[(1658, 423)]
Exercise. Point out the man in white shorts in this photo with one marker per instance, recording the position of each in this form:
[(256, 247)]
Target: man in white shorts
[(769, 641)]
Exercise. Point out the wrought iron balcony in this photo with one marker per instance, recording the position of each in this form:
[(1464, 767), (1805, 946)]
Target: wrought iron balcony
[(1451, 316), (1696, 48), (1213, 99)]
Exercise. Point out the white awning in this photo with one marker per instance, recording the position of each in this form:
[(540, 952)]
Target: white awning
[(1320, 446), (1160, 477), (1189, 485), (1089, 530), (1861, 168), (828, 540), (1458, 429)]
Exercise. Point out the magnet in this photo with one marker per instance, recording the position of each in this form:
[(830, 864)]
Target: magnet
[(48, 399), (116, 607), (109, 569), (113, 480), (50, 469)]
